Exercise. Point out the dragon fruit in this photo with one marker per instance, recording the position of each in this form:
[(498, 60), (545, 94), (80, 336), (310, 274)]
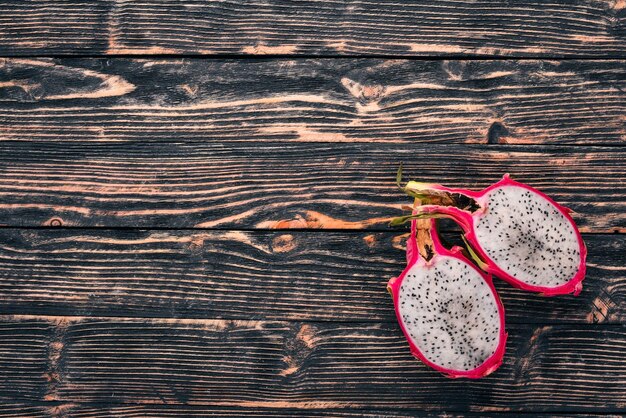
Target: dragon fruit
[(447, 308), (513, 231)]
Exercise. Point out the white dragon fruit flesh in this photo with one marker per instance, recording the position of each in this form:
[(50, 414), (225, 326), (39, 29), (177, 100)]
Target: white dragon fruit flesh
[(447, 308)]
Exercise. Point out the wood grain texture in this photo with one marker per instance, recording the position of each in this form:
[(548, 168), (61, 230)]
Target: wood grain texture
[(347, 100), (34, 27), (277, 185), (229, 317), (417, 28), (23, 357), (311, 276), (301, 365), (12, 409)]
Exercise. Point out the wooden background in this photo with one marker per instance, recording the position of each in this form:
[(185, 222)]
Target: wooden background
[(194, 200)]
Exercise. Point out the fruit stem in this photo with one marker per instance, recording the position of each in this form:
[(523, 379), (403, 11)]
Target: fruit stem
[(412, 188), (424, 237), (421, 239), (433, 212)]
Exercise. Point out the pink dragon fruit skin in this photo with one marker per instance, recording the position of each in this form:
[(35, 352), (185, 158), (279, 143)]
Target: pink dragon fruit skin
[(558, 265), (482, 329)]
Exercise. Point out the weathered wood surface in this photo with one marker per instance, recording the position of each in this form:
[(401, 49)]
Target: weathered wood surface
[(312, 276), (299, 365), (347, 100), (13, 409), (380, 27), (9, 408), (208, 311), (214, 184)]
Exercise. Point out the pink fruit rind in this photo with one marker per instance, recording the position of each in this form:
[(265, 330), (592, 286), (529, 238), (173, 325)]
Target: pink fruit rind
[(466, 221), (413, 257)]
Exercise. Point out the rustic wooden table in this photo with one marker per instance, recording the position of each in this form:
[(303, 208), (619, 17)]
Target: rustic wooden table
[(194, 200)]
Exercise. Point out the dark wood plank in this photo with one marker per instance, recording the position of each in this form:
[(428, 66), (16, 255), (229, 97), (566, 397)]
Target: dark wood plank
[(400, 101), (306, 365), (46, 27), (243, 275), (283, 185), (418, 28), (37, 409), (110, 410), (203, 411), (10, 408), (25, 347)]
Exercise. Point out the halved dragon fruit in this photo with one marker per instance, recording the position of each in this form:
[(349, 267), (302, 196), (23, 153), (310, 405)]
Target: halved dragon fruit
[(447, 308), (514, 232)]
